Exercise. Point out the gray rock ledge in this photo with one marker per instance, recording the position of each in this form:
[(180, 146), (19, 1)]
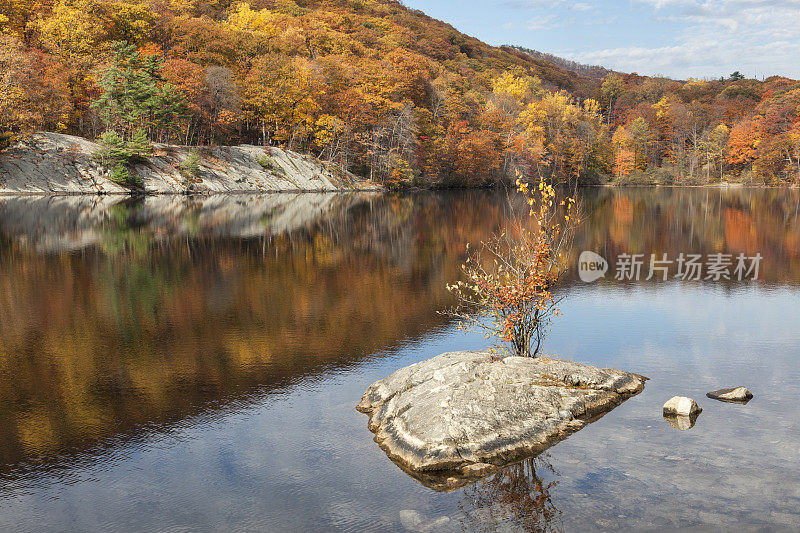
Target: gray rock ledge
[(53, 163), (461, 415)]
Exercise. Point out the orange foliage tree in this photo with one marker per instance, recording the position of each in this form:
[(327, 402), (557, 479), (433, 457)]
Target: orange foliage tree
[(508, 292), (33, 91), (625, 162), (743, 142)]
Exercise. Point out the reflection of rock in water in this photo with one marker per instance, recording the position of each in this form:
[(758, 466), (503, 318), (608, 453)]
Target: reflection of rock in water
[(64, 223), (55, 223), (515, 498), (682, 422)]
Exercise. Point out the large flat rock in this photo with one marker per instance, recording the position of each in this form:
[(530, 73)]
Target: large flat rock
[(463, 414)]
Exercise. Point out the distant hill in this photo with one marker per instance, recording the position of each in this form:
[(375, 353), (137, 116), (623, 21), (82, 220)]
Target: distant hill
[(590, 71)]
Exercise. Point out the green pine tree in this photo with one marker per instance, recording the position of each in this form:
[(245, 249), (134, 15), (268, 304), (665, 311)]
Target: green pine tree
[(136, 104)]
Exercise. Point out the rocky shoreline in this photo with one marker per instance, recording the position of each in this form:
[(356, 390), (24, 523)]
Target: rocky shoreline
[(52, 163)]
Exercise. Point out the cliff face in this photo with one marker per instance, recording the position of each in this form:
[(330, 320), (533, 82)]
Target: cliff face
[(51, 163)]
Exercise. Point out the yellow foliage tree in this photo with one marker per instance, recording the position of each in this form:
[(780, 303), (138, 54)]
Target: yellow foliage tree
[(568, 131), (260, 28), (281, 95), (77, 27)]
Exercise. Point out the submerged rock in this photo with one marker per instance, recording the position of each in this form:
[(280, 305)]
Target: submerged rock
[(680, 405), (734, 395), (415, 521), (460, 415)]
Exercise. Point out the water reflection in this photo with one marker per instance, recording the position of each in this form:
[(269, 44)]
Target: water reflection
[(517, 498), (130, 314), (674, 221), (682, 422), (118, 314), (125, 319), (64, 223)]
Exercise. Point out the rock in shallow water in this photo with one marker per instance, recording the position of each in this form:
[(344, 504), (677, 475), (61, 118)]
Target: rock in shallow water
[(461, 413), (735, 394), (680, 405), (414, 521)]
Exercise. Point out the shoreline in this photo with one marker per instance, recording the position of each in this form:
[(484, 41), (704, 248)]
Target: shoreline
[(375, 189), (149, 194), (52, 164)]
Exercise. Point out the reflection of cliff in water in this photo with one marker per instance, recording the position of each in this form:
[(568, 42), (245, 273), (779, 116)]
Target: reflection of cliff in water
[(62, 223), (164, 314)]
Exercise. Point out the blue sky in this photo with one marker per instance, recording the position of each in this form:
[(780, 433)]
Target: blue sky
[(676, 38)]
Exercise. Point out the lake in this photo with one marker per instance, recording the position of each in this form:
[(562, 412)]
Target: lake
[(193, 364)]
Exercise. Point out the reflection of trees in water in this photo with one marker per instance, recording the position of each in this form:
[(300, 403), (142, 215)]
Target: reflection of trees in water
[(119, 315), (164, 314), (703, 221), (516, 497)]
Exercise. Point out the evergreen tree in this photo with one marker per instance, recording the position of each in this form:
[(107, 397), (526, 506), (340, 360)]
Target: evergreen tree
[(136, 104), (136, 94)]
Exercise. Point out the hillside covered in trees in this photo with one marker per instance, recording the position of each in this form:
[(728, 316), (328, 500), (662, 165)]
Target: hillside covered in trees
[(376, 88)]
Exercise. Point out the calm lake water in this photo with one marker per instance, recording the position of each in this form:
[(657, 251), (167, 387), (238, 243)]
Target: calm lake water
[(173, 364)]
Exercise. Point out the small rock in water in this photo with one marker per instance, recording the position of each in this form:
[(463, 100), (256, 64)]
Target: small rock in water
[(735, 394), (680, 405)]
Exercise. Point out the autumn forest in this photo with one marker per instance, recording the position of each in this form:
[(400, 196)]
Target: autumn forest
[(378, 89)]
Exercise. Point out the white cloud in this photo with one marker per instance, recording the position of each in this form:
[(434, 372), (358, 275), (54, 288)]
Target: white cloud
[(540, 23), (754, 36), (664, 3)]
